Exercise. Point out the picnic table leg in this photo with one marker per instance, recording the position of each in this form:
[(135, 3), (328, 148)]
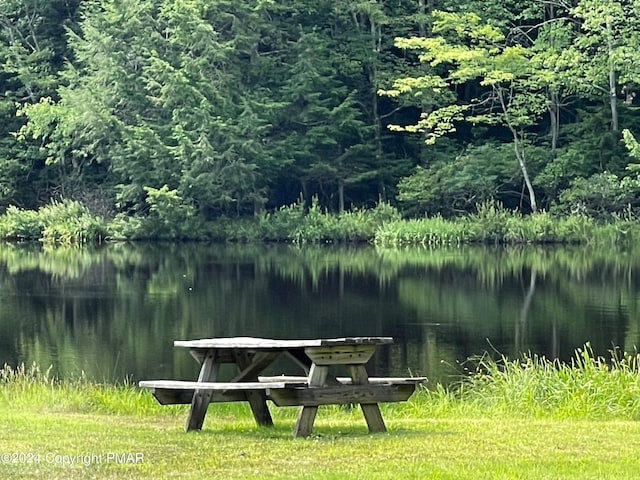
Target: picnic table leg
[(201, 398), (257, 399), (307, 414), (371, 411)]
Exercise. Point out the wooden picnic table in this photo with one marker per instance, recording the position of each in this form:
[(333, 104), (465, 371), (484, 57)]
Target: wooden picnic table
[(318, 386)]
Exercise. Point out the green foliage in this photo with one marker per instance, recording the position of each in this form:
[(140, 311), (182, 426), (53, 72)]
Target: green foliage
[(70, 223), (609, 39), (493, 223), (311, 225), (450, 187), (512, 93), (32, 46), (425, 231), (434, 435), (589, 386), (20, 224), (63, 222), (539, 227), (317, 225), (279, 225), (122, 227), (601, 195), (558, 173), (170, 216), (239, 105), (634, 149), (33, 385), (155, 94), (215, 100), (23, 375), (331, 137)]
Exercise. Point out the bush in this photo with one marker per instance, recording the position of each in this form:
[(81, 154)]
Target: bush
[(495, 224), (294, 223), (70, 223), (589, 386), (600, 195), (170, 216), (63, 222), (424, 231), (280, 224), (123, 227), (19, 224), (491, 221)]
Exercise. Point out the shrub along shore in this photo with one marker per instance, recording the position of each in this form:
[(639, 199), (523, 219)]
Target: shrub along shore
[(529, 418), (70, 223)]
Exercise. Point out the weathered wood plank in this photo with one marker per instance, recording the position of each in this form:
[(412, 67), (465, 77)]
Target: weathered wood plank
[(172, 397), (200, 401), (169, 396), (269, 343), (340, 395), (340, 354), (370, 409), (315, 356), (222, 355), (219, 386), (307, 413), (348, 380), (285, 394)]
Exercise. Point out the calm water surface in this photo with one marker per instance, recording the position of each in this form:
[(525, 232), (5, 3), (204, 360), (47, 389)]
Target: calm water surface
[(113, 313)]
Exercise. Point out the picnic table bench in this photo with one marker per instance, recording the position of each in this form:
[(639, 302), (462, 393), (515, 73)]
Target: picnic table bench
[(319, 386)]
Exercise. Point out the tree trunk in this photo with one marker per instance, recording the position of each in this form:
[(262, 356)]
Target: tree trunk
[(518, 146), (376, 39), (340, 196), (422, 26), (613, 98), (425, 9), (554, 117), (304, 193)]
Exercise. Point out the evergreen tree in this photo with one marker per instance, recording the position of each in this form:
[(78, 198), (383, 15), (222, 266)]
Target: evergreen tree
[(32, 49), (156, 94)]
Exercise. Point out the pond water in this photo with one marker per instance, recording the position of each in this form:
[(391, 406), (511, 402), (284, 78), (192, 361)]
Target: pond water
[(113, 313)]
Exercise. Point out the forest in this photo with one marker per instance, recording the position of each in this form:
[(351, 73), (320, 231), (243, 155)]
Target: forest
[(225, 109)]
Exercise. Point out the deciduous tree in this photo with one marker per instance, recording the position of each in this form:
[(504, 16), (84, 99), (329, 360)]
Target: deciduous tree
[(509, 92)]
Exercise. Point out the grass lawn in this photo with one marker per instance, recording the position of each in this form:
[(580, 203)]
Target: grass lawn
[(522, 420), (230, 446)]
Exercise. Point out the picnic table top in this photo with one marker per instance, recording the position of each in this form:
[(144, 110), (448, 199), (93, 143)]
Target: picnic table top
[(270, 343)]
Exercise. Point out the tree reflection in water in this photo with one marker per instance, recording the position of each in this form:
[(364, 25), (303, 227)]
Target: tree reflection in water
[(113, 312)]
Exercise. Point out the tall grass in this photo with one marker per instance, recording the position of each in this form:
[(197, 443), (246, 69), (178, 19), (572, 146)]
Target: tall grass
[(494, 224), (68, 222), (425, 232), (31, 385), (64, 222), (588, 387), (312, 224)]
